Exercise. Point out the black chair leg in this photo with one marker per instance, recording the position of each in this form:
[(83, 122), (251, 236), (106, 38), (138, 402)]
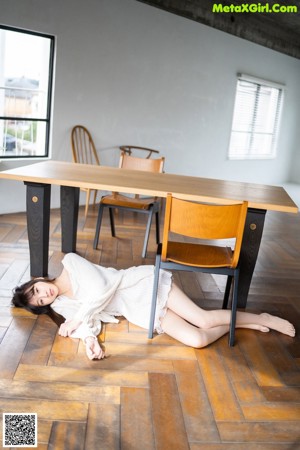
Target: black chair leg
[(154, 294), (233, 309), (112, 222), (157, 227), (98, 226), (147, 233), (227, 292)]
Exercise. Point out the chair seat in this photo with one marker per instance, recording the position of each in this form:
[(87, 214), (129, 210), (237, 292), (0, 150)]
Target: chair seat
[(199, 255), (127, 202)]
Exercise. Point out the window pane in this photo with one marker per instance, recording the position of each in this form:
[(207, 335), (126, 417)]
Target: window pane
[(266, 110), (22, 97), (244, 107), (261, 144), (255, 120), (239, 141), (22, 138), (25, 84)]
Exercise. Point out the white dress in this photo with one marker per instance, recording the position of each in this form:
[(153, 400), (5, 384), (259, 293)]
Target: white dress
[(102, 293)]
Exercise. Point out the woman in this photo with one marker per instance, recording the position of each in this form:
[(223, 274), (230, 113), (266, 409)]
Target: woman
[(86, 294)]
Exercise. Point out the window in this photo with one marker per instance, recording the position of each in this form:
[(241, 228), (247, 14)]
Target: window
[(256, 117), (26, 69)]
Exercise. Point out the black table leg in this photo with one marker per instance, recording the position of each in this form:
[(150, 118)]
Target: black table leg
[(38, 218), (69, 204), (250, 246)]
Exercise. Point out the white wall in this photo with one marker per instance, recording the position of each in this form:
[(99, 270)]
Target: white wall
[(137, 75)]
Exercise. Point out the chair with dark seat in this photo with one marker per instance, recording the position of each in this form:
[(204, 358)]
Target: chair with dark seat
[(84, 152), (194, 239), (118, 201)]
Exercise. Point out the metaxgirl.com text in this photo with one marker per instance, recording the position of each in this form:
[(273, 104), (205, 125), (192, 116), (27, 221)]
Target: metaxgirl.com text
[(254, 8)]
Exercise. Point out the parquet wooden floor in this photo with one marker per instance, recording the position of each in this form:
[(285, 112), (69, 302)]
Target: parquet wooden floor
[(155, 394)]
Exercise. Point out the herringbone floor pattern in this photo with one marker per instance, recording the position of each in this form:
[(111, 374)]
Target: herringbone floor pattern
[(154, 394)]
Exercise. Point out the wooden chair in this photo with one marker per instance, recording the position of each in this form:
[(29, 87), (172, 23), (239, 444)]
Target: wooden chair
[(84, 152), (211, 223), (130, 149), (147, 206)]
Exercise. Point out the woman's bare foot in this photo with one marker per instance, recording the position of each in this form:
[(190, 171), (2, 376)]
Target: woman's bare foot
[(263, 329), (254, 326), (278, 324)]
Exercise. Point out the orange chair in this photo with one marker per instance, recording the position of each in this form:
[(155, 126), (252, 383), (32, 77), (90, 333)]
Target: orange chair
[(147, 206), (84, 152), (202, 229)]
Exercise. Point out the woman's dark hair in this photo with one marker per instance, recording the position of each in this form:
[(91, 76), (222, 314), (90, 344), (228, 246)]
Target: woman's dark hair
[(22, 295), (21, 299)]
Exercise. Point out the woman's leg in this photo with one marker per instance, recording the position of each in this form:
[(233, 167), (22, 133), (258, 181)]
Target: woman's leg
[(188, 334), (183, 306), (176, 327)]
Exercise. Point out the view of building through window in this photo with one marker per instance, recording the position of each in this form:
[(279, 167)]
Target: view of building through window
[(26, 65)]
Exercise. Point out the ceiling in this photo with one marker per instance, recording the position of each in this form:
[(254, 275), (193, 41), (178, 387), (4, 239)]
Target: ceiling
[(277, 31)]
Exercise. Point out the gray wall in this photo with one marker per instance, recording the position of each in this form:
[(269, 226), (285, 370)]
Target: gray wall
[(137, 75)]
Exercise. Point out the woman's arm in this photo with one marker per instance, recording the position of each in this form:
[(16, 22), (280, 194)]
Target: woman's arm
[(89, 337), (93, 348), (93, 285), (68, 327)]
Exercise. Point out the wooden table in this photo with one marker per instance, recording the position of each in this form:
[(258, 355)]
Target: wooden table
[(71, 177)]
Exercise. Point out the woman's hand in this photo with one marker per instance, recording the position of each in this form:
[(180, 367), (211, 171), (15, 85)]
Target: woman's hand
[(93, 349), (67, 328)]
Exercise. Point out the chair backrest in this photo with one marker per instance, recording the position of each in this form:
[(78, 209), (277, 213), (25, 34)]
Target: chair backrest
[(129, 149), (83, 147), (205, 221), (145, 164)]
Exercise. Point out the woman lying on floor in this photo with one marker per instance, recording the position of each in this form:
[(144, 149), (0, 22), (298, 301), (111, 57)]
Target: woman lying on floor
[(86, 294)]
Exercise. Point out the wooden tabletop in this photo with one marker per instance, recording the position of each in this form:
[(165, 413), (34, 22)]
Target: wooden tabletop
[(158, 184)]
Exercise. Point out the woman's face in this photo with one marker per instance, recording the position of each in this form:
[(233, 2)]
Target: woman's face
[(44, 293)]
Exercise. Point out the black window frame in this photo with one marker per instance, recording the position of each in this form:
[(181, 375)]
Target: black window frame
[(47, 119)]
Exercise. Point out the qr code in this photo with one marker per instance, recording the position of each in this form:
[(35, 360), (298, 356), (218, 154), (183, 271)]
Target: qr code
[(19, 430)]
